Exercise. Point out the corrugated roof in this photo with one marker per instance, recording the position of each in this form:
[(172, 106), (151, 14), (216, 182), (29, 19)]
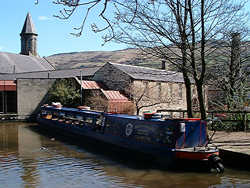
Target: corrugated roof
[(114, 95), (28, 27), (16, 63), (90, 85), (145, 73), (7, 85)]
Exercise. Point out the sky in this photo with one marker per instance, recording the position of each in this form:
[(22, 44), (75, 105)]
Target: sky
[(53, 34)]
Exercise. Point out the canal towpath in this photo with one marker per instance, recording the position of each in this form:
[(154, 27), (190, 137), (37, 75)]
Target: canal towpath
[(234, 148)]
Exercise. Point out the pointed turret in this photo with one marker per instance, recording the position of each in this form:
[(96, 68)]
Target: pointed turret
[(28, 37)]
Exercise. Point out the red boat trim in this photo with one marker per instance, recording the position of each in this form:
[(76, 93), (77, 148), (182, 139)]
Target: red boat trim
[(200, 131), (194, 155)]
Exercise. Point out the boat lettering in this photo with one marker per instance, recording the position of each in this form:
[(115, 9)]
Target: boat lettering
[(103, 121), (129, 129)]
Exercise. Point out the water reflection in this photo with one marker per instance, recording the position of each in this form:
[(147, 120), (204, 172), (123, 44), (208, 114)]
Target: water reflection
[(29, 158)]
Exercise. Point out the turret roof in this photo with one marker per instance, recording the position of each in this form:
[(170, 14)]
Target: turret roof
[(28, 27)]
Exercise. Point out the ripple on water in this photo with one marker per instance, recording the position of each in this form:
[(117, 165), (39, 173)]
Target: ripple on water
[(31, 159)]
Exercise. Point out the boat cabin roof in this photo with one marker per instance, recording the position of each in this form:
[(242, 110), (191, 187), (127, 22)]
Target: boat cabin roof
[(90, 112), (96, 113)]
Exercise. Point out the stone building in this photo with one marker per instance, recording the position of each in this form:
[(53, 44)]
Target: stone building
[(25, 80), (149, 89), (28, 91), (13, 64)]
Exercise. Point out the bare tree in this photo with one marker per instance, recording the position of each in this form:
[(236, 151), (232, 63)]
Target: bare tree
[(231, 73), (145, 95), (97, 102), (179, 31)]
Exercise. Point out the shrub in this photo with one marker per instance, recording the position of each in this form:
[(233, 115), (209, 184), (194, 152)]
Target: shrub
[(66, 92)]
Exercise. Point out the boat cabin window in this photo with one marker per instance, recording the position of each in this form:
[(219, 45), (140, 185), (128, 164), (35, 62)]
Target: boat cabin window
[(46, 114), (55, 115), (88, 120), (99, 120), (61, 114), (69, 116), (79, 117)]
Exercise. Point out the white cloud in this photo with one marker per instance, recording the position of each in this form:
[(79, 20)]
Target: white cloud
[(42, 18), (1, 47)]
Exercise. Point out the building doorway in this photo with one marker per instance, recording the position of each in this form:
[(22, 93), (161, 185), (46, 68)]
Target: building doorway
[(8, 97)]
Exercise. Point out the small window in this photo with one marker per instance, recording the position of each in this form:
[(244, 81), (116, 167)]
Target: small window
[(170, 89), (180, 91), (159, 90), (146, 88)]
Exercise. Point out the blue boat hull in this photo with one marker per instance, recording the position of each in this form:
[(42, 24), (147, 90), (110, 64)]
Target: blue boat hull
[(163, 155), (168, 142)]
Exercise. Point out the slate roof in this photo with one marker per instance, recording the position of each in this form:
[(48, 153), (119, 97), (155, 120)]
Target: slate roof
[(144, 73), (28, 27), (10, 63), (86, 72)]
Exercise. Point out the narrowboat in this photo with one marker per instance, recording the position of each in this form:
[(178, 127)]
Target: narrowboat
[(167, 140)]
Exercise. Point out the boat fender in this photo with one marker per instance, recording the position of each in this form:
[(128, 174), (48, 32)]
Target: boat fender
[(214, 158), (216, 163)]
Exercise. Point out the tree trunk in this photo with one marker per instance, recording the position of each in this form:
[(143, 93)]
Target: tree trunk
[(201, 100), (137, 111), (199, 82), (188, 95)]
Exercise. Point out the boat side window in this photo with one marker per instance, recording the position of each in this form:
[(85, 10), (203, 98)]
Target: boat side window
[(47, 114), (78, 120), (69, 117), (79, 117), (109, 128), (43, 113), (99, 120), (55, 115), (88, 120), (61, 115)]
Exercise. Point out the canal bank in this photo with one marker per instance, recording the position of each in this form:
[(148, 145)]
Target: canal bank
[(234, 148)]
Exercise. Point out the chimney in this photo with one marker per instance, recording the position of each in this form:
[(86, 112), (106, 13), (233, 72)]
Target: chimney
[(163, 65)]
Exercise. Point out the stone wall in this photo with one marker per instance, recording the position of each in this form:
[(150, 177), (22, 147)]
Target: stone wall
[(112, 77), (159, 95), (31, 94)]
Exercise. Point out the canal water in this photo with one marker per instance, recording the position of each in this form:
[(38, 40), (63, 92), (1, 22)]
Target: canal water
[(31, 158)]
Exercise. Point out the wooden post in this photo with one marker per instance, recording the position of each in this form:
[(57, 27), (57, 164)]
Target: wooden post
[(81, 87)]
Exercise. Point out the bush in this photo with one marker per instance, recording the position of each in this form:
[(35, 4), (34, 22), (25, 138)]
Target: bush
[(66, 92)]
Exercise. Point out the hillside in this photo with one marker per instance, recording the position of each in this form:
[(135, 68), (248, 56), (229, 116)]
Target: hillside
[(127, 56), (98, 58)]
